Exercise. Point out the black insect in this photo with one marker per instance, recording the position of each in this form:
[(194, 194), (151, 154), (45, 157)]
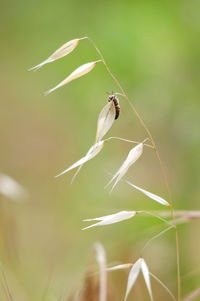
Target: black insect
[(116, 104)]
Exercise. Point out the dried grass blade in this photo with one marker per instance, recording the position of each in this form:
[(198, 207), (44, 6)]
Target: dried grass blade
[(150, 195), (101, 260), (132, 157), (59, 53), (105, 120), (80, 71), (132, 277), (145, 272), (111, 219), (93, 151)]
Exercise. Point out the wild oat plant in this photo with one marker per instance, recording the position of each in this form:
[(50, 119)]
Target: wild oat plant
[(109, 113)]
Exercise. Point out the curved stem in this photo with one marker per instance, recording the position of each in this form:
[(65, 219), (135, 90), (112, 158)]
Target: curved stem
[(154, 237), (127, 140), (163, 285), (157, 216)]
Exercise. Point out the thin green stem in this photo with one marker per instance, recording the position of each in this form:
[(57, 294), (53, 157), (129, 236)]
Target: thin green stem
[(157, 216), (154, 237), (127, 140), (163, 285), (178, 265), (177, 258)]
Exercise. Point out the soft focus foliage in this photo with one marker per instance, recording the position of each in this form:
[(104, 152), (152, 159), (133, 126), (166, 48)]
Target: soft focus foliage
[(153, 48)]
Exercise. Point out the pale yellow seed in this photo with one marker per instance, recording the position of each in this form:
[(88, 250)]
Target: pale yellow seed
[(150, 195), (93, 151), (80, 71), (132, 157), (105, 120), (59, 53), (111, 219)]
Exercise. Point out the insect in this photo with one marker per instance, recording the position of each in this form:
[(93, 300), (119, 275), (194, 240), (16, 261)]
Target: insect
[(116, 104)]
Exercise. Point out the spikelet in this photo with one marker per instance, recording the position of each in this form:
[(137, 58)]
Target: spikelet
[(132, 157), (59, 53), (139, 265), (150, 195), (93, 151), (111, 219), (105, 120), (80, 71)]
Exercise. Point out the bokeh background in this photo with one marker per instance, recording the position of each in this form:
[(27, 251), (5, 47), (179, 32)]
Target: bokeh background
[(153, 48)]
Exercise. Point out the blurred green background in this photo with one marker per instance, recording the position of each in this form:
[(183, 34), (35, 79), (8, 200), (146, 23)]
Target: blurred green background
[(153, 48)]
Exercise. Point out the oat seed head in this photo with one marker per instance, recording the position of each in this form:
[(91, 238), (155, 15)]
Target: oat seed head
[(93, 151), (132, 277), (133, 155), (111, 219), (119, 267), (59, 53), (145, 272), (139, 265), (150, 195), (105, 120), (80, 71)]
